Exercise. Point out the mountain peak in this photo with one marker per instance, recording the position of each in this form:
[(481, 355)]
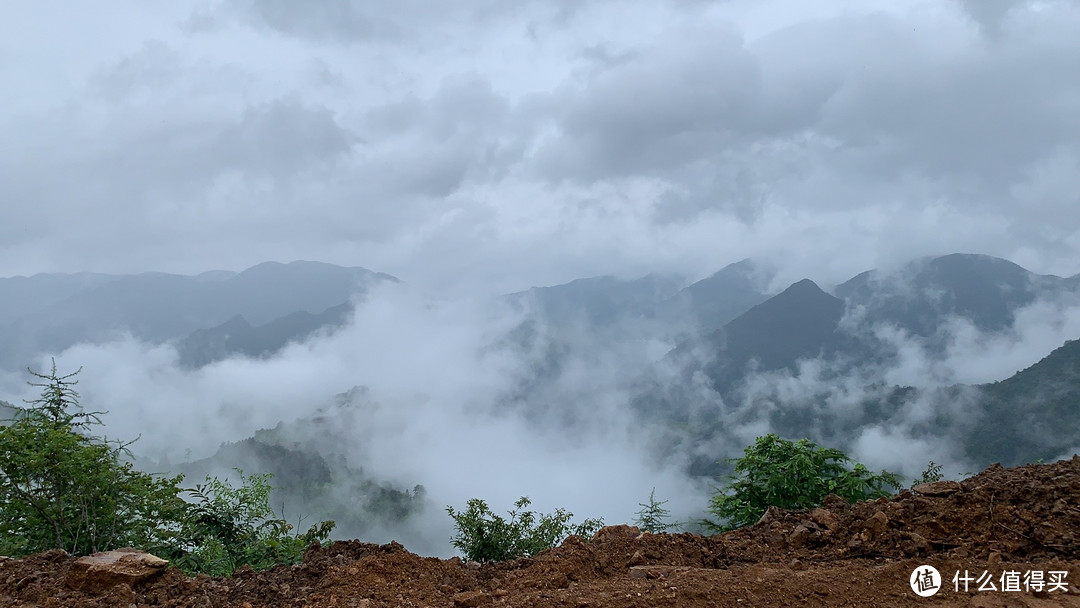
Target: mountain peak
[(804, 286), (918, 296)]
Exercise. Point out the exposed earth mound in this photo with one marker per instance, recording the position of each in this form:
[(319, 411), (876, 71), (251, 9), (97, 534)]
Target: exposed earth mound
[(997, 528)]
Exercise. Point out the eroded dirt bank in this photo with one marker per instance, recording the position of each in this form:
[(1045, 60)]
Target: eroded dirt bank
[(1000, 521)]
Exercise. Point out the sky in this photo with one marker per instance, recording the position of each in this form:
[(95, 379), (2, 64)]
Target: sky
[(485, 146)]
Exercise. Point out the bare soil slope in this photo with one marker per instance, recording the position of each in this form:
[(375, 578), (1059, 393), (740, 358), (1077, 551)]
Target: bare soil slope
[(999, 521)]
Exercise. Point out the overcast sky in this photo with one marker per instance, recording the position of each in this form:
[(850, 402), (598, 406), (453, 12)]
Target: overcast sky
[(485, 144)]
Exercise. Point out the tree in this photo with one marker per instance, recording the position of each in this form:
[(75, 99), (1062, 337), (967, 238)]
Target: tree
[(61, 487), (483, 536), (652, 516), (791, 475)]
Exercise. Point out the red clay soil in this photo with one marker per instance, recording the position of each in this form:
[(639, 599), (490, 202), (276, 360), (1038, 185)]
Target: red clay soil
[(1001, 521)]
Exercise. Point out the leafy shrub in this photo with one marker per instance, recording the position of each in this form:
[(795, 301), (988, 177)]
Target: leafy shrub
[(791, 475), (483, 536), (653, 516), (931, 474), (228, 527)]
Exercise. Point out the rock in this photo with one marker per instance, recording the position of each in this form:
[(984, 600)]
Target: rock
[(834, 503), (573, 541), (915, 544), (775, 538), (654, 572), (799, 536), (638, 559), (994, 560), (770, 514), (937, 488), (608, 533), (101, 572), (824, 517), (877, 523), (120, 595), (470, 599)]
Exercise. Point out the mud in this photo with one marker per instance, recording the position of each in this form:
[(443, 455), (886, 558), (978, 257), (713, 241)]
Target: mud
[(999, 521)]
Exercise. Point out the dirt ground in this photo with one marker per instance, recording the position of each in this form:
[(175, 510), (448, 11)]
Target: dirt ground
[(1006, 523)]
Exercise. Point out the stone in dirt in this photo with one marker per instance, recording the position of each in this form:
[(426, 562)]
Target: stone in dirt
[(101, 572), (608, 533), (824, 517), (877, 523), (470, 599), (771, 514), (937, 488)]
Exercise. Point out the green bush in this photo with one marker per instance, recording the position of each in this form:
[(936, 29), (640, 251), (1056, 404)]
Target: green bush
[(930, 474), (229, 527), (483, 536), (61, 487), (791, 475)]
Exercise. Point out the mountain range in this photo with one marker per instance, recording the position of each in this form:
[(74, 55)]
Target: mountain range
[(725, 330), (51, 312)]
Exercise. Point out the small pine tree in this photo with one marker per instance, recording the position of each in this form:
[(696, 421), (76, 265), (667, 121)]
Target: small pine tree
[(63, 488), (652, 516)]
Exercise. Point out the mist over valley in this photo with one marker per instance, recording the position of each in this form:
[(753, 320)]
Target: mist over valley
[(375, 404)]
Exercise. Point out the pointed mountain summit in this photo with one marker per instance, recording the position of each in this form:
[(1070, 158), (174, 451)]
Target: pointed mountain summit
[(800, 322)]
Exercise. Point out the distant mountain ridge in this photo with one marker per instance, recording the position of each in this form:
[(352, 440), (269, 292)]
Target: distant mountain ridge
[(1033, 414), (721, 297), (156, 307), (238, 337), (923, 294), (701, 306), (597, 301)]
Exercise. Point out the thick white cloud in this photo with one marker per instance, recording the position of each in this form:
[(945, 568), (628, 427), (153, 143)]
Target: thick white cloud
[(482, 145)]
